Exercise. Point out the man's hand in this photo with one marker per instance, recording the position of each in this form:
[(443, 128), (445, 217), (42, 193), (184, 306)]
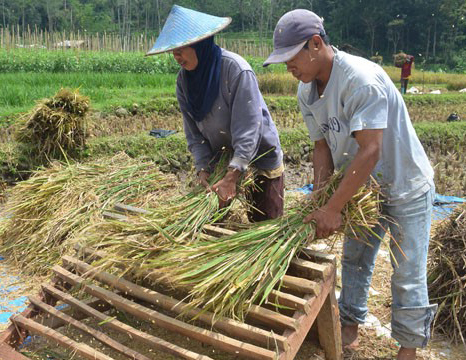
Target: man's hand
[(202, 177), (226, 188), (327, 220)]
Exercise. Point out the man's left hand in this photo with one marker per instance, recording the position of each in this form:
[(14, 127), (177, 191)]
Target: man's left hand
[(327, 220)]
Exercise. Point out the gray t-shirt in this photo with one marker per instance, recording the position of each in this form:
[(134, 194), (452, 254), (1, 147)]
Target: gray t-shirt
[(239, 120), (360, 95)]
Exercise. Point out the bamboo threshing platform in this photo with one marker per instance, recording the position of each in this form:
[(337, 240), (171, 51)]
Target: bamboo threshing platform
[(269, 332)]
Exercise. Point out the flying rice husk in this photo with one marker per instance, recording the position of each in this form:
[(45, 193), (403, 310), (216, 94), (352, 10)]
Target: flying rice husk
[(226, 276), (43, 213), (56, 127), (447, 276)]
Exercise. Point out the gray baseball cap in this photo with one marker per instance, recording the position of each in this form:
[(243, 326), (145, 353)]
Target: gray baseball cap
[(291, 33)]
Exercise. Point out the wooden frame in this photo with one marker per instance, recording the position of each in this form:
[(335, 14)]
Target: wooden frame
[(267, 334)]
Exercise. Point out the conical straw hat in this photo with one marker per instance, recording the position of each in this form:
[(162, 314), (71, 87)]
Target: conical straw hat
[(185, 27)]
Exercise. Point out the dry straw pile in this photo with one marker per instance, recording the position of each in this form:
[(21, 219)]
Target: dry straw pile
[(447, 276), (44, 212), (134, 243), (56, 126)]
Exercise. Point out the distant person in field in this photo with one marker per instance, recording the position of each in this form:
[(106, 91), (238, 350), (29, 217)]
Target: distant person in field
[(406, 72), (223, 108), (359, 121)]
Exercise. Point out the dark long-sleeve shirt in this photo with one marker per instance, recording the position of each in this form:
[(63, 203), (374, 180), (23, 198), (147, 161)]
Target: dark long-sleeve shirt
[(239, 120)]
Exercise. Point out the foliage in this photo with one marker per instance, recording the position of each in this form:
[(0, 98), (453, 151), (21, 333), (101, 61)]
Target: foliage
[(432, 30), (57, 61)]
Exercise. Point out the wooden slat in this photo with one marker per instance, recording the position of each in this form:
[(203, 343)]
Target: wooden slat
[(7, 352), (328, 327), (317, 256), (301, 285), (79, 348), (119, 326), (91, 255), (206, 336), (114, 216), (130, 209), (305, 321), (11, 336), (215, 230), (310, 270), (232, 327), (288, 300), (54, 323), (272, 318), (87, 329)]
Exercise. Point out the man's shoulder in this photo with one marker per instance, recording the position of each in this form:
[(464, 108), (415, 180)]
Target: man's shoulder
[(357, 71)]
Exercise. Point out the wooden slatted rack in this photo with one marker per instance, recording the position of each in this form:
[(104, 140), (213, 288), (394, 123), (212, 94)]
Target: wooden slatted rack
[(307, 295)]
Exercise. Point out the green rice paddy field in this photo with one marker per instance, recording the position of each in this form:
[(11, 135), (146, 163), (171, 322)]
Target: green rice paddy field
[(131, 94)]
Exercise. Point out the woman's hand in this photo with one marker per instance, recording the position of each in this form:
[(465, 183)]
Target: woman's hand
[(226, 188), (202, 177)]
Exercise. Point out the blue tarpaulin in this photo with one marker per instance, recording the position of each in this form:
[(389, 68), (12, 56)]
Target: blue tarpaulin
[(161, 133)]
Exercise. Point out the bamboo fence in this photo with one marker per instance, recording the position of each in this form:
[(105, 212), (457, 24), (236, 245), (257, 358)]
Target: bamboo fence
[(34, 38)]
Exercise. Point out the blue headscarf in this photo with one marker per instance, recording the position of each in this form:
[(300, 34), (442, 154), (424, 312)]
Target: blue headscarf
[(204, 80)]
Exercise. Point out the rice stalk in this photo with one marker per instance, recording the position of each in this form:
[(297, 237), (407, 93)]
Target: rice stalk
[(226, 276), (131, 244), (44, 212), (56, 126)]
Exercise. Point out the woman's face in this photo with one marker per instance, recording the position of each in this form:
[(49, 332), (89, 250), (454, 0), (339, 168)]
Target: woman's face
[(186, 57)]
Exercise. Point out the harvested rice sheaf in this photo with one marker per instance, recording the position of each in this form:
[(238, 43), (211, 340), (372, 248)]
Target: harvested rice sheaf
[(133, 243), (447, 276), (399, 59), (56, 126), (226, 276), (43, 213)]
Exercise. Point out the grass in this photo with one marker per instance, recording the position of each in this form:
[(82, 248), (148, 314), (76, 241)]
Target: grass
[(19, 91), (107, 90), (76, 61)]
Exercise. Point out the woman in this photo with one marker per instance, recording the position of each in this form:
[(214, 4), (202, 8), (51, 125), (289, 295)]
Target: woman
[(223, 108)]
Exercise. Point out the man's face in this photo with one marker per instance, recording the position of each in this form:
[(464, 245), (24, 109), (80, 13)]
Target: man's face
[(303, 65), (186, 57)]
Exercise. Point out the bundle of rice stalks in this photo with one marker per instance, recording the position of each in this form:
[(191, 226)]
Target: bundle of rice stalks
[(399, 59), (44, 212), (131, 244), (447, 276), (56, 126), (227, 276)]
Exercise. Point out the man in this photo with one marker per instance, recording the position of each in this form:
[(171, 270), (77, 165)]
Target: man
[(358, 119)]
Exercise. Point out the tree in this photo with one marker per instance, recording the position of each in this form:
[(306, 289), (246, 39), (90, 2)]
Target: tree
[(395, 28)]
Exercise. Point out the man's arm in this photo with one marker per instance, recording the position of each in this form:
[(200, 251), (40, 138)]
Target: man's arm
[(328, 218), (322, 163)]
